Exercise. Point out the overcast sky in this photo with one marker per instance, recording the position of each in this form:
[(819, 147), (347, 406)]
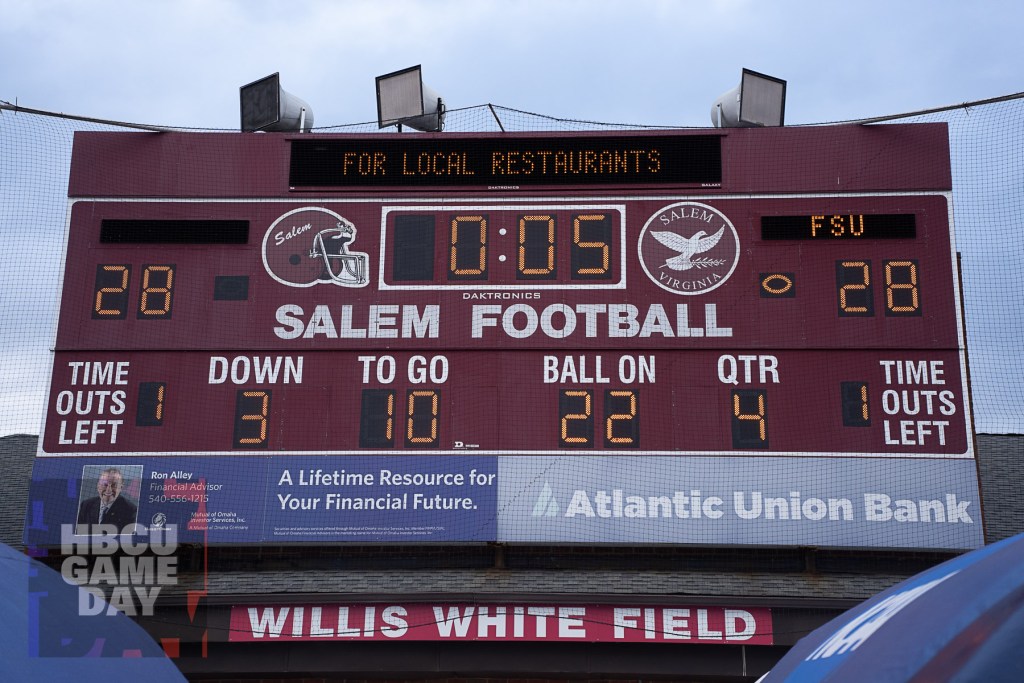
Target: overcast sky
[(633, 61), (651, 62)]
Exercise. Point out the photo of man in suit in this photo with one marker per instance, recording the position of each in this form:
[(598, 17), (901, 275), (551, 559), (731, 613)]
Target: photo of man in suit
[(109, 507)]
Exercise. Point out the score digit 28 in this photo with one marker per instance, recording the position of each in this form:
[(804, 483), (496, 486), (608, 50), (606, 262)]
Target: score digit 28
[(112, 292), (855, 288)]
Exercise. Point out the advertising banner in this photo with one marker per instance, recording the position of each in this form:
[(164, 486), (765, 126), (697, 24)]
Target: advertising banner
[(502, 622), (268, 499), (844, 502), (824, 502)]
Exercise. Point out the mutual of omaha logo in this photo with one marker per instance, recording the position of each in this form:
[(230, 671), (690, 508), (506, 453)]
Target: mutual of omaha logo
[(689, 248), (310, 246)]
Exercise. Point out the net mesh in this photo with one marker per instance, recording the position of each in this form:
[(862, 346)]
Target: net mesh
[(987, 162), (987, 149)]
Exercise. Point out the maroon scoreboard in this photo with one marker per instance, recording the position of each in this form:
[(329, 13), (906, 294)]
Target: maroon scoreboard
[(736, 292)]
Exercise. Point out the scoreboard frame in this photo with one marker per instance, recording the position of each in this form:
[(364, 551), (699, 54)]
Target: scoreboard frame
[(509, 281)]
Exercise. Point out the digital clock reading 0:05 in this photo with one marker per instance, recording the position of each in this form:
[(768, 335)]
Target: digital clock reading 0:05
[(493, 247), (848, 226)]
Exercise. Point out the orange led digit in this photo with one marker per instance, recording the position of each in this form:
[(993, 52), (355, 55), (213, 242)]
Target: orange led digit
[(150, 405), (252, 409), (854, 398), (901, 290), (536, 247), (749, 418), (111, 291), (576, 418), (156, 290), (421, 419), (467, 255), (622, 423), (591, 246), (853, 281)]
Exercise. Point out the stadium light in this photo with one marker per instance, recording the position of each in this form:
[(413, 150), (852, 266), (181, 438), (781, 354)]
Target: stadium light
[(403, 99), (266, 106), (759, 100)]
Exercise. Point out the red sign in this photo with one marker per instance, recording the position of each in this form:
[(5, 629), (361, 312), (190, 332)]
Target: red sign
[(502, 622)]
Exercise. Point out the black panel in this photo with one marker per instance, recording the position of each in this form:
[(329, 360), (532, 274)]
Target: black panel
[(749, 419), (777, 285), (115, 231), (231, 288), (583, 160), (856, 410), (150, 407), (377, 419), (412, 251), (840, 227)]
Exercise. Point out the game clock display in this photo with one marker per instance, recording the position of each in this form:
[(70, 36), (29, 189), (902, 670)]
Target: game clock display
[(629, 318)]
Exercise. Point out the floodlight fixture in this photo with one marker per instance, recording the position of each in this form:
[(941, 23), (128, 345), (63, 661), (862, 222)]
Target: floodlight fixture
[(403, 99), (759, 100), (266, 106)]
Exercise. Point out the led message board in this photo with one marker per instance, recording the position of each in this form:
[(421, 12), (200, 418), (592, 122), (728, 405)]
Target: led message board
[(371, 296)]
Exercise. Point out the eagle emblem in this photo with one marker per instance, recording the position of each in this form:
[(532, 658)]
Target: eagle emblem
[(688, 247)]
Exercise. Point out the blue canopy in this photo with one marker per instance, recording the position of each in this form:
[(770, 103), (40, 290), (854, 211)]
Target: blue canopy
[(962, 620), (43, 633)]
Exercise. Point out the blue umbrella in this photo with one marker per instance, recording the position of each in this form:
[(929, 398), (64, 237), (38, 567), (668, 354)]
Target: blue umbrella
[(962, 620), (43, 634)]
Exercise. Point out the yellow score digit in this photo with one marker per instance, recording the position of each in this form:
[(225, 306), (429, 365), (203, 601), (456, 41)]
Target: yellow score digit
[(460, 246), (847, 289), (578, 225), (102, 308), (161, 293), (906, 287), (413, 416), (263, 399), (609, 423), (550, 222), (585, 415)]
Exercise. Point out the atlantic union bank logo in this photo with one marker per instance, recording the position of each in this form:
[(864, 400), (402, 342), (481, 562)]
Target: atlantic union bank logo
[(546, 505), (689, 248)]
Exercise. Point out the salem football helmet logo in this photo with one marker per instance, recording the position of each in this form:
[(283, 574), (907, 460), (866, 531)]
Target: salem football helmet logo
[(310, 246)]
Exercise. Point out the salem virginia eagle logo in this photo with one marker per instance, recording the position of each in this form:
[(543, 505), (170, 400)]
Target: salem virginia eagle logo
[(689, 248)]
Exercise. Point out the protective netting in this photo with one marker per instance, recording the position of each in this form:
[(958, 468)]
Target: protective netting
[(988, 170), (987, 146)]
